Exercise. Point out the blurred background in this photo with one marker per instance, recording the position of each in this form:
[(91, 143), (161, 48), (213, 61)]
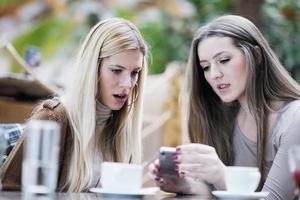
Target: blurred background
[(43, 37)]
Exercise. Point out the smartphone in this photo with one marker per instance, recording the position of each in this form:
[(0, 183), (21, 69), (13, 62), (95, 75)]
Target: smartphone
[(166, 162)]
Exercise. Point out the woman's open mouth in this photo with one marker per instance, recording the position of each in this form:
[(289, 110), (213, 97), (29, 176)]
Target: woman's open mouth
[(223, 87), (120, 98)]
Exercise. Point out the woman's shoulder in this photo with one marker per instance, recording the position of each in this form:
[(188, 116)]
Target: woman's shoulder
[(291, 108), (289, 114)]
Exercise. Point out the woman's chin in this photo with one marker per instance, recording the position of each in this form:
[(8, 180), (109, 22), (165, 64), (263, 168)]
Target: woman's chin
[(227, 100), (116, 107)]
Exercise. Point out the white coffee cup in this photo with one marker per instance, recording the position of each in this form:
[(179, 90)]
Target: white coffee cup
[(121, 176), (241, 179)]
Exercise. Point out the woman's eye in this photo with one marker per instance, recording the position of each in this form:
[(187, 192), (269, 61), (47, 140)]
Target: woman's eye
[(205, 68), (116, 71), (223, 61), (135, 73)]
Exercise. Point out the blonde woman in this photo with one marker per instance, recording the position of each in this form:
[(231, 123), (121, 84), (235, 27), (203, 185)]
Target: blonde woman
[(100, 114), (243, 109)]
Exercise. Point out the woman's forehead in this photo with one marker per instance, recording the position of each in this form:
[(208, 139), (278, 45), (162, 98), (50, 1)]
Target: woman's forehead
[(212, 46)]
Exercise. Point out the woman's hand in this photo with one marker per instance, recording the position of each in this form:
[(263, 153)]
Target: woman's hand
[(169, 184), (201, 162)]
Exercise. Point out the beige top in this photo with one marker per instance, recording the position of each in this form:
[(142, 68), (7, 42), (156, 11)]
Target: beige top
[(103, 113), (284, 133)]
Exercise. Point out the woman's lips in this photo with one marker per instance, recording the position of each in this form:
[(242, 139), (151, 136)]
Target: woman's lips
[(120, 98), (223, 87)]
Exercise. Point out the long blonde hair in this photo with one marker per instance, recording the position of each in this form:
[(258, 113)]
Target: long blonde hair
[(122, 135), (209, 120)]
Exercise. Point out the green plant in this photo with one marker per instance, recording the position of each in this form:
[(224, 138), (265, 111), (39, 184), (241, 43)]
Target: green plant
[(49, 35), (283, 32), (166, 43)]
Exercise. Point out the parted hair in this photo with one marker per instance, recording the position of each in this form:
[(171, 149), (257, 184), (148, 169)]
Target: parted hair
[(211, 121), (120, 139)]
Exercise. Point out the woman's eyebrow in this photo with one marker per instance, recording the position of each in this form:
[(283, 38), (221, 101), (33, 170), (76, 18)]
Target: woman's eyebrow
[(122, 67), (119, 66), (216, 55)]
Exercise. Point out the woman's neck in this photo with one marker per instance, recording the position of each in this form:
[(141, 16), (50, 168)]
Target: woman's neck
[(103, 113), (246, 122), (244, 107)]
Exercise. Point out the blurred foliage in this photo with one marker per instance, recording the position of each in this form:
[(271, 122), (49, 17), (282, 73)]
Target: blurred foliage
[(124, 12), (9, 6), (208, 9), (168, 41), (283, 32), (170, 37), (46, 34), (11, 2), (49, 34)]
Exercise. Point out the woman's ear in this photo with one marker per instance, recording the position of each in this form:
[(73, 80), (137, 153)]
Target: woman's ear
[(258, 54)]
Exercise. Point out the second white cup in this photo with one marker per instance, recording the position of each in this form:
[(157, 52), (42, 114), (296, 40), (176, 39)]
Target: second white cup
[(241, 179)]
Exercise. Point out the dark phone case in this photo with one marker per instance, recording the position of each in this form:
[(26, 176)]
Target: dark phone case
[(167, 165)]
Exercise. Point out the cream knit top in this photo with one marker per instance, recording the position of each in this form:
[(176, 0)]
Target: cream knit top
[(103, 113)]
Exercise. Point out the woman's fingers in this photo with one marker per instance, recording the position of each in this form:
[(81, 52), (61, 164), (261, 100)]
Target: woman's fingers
[(196, 153), (153, 169), (189, 167), (210, 173), (151, 175), (197, 158), (168, 184), (198, 168), (195, 148), (177, 185), (200, 161)]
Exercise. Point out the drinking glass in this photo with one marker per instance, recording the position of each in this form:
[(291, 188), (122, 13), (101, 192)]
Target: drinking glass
[(40, 157), (294, 163)]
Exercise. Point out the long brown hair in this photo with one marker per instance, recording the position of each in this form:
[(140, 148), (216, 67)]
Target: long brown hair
[(210, 121)]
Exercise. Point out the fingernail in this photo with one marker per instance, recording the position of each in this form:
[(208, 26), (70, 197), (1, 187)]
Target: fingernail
[(182, 174), (176, 167), (177, 162)]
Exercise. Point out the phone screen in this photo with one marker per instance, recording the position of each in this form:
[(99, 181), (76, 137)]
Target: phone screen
[(166, 162)]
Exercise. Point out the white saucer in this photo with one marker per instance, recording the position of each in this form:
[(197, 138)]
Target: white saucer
[(140, 192), (231, 195)]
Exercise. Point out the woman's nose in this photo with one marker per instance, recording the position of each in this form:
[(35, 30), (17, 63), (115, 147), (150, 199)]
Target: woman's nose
[(215, 72), (126, 81)]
